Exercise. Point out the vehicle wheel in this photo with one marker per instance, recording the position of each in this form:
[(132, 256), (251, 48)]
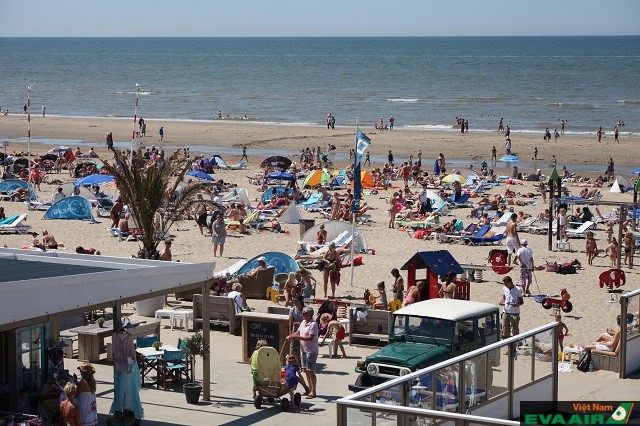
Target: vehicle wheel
[(270, 400), (297, 398), (364, 380), (257, 401), (568, 307), (546, 304), (284, 402)]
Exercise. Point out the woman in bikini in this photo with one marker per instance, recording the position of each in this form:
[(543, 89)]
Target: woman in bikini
[(448, 289), (413, 294), (392, 209), (329, 259), (591, 248)]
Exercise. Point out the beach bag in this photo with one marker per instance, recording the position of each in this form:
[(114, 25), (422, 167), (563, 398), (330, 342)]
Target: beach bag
[(585, 361)]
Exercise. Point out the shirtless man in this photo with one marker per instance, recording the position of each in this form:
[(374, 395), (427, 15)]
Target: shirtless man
[(513, 241)]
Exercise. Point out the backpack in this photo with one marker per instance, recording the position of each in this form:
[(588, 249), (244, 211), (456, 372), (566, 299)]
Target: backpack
[(585, 362)]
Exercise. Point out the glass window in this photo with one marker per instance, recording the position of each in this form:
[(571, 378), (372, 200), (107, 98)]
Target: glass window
[(424, 328), (488, 325), (30, 353)]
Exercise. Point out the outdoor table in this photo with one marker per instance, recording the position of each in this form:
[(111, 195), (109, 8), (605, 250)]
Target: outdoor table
[(91, 339), (148, 359)]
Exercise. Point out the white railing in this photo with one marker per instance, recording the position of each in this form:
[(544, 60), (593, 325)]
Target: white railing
[(432, 395)]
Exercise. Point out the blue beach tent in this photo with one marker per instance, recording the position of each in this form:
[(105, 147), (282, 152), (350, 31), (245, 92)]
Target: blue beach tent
[(75, 207)]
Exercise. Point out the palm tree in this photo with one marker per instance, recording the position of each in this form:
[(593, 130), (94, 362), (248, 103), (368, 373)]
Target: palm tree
[(150, 192)]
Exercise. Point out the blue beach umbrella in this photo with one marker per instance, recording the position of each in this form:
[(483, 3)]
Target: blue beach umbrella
[(199, 175), (636, 172), (95, 179), (281, 176)]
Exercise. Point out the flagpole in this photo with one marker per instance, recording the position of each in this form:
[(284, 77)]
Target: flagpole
[(29, 131), (135, 118), (356, 202)]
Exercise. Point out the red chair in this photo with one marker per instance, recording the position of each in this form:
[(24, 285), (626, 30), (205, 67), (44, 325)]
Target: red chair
[(612, 278), (498, 260)]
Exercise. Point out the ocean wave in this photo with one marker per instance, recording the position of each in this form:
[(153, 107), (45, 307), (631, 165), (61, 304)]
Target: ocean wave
[(628, 101), (141, 93), (403, 100), (487, 99), (569, 105)]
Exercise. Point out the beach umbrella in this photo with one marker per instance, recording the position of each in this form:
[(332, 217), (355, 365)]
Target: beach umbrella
[(95, 179), (277, 162), (366, 179), (58, 149), (316, 177), (199, 175), (281, 176), (453, 177), (49, 157)]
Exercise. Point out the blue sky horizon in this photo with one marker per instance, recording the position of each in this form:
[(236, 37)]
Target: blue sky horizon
[(330, 18)]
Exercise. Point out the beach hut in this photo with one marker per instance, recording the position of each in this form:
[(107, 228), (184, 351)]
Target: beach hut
[(436, 263), (75, 207), (334, 228), (291, 214), (315, 178)]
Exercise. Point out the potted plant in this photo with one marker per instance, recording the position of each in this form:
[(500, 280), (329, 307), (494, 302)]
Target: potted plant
[(100, 321), (193, 347), (156, 345)]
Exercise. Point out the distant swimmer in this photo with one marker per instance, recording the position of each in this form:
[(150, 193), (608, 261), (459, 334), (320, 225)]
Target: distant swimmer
[(219, 115), (562, 123)]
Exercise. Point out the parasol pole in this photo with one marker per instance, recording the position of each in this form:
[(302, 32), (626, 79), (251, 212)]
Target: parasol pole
[(353, 212), (29, 130), (135, 118)]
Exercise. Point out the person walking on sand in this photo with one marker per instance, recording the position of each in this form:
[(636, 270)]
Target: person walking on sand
[(525, 255), (500, 126), (44, 110), (513, 241), (161, 132), (494, 155), (615, 135), (244, 154), (599, 134), (511, 300), (507, 146), (307, 334), (591, 248), (562, 123), (556, 135), (547, 135), (391, 122)]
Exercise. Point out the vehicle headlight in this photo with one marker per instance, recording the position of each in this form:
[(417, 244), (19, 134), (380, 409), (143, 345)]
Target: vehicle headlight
[(404, 371), (372, 369)]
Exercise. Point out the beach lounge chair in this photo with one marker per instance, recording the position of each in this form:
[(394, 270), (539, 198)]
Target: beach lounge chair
[(312, 200), (249, 221), (471, 230), (103, 206), (605, 219), (504, 219), (580, 232), (16, 225), (542, 227), (525, 224), (493, 239), (460, 202), (341, 240)]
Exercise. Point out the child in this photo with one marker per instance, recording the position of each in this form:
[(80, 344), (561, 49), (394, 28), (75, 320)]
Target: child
[(69, 413), (337, 338), (254, 364), (275, 226), (562, 226), (592, 248), (290, 289), (627, 243), (305, 278), (292, 376), (381, 300), (612, 251), (563, 331), (609, 232)]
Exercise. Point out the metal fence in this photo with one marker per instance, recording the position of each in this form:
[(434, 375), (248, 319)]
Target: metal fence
[(629, 333), (482, 387)]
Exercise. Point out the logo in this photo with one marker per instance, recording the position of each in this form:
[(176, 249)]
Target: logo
[(579, 413)]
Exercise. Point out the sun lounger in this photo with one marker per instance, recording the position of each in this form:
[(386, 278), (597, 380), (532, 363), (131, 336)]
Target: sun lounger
[(460, 202), (605, 219), (16, 225), (475, 241), (504, 219), (344, 238), (249, 221), (580, 232), (457, 236), (313, 199), (525, 224), (103, 206)]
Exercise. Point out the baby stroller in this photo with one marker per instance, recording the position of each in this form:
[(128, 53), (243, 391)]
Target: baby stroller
[(269, 376)]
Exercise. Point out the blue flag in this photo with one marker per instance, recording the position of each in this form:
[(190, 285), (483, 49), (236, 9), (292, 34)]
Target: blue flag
[(362, 143)]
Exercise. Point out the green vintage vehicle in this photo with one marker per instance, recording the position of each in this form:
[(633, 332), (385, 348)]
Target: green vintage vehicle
[(429, 332)]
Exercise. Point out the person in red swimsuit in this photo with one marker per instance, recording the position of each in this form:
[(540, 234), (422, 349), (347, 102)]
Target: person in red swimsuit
[(333, 326)]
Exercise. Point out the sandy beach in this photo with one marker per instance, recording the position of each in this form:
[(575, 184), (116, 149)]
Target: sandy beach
[(591, 314)]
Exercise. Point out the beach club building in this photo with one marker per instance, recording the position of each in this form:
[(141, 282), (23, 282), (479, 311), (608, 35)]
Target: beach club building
[(39, 289)]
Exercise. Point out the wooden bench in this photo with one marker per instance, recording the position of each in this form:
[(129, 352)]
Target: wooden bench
[(606, 360), (222, 312), (374, 328)]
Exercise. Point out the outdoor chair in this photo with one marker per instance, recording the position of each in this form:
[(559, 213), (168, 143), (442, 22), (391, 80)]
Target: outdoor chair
[(256, 287), (173, 367)]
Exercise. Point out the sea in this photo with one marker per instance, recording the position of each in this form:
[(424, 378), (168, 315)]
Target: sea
[(424, 82)]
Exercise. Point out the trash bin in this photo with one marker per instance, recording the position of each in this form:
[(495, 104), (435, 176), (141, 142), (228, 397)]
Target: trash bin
[(305, 225)]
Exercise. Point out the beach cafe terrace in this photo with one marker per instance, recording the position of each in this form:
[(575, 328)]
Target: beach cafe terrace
[(40, 288)]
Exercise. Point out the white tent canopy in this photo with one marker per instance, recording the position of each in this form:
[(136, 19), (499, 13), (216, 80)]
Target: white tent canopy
[(67, 190), (335, 228), (291, 215), (621, 184), (436, 201)]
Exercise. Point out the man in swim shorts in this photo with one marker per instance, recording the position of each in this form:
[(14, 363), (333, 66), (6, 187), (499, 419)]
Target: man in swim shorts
[(513, 241)]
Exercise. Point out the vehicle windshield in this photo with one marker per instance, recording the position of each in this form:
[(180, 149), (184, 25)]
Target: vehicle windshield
[(435, 329)]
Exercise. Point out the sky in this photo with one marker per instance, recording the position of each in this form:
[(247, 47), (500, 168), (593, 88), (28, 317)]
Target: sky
[(291, 18)]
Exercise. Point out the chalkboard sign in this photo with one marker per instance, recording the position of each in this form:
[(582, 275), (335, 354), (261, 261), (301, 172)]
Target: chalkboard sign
[(269, 331)]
